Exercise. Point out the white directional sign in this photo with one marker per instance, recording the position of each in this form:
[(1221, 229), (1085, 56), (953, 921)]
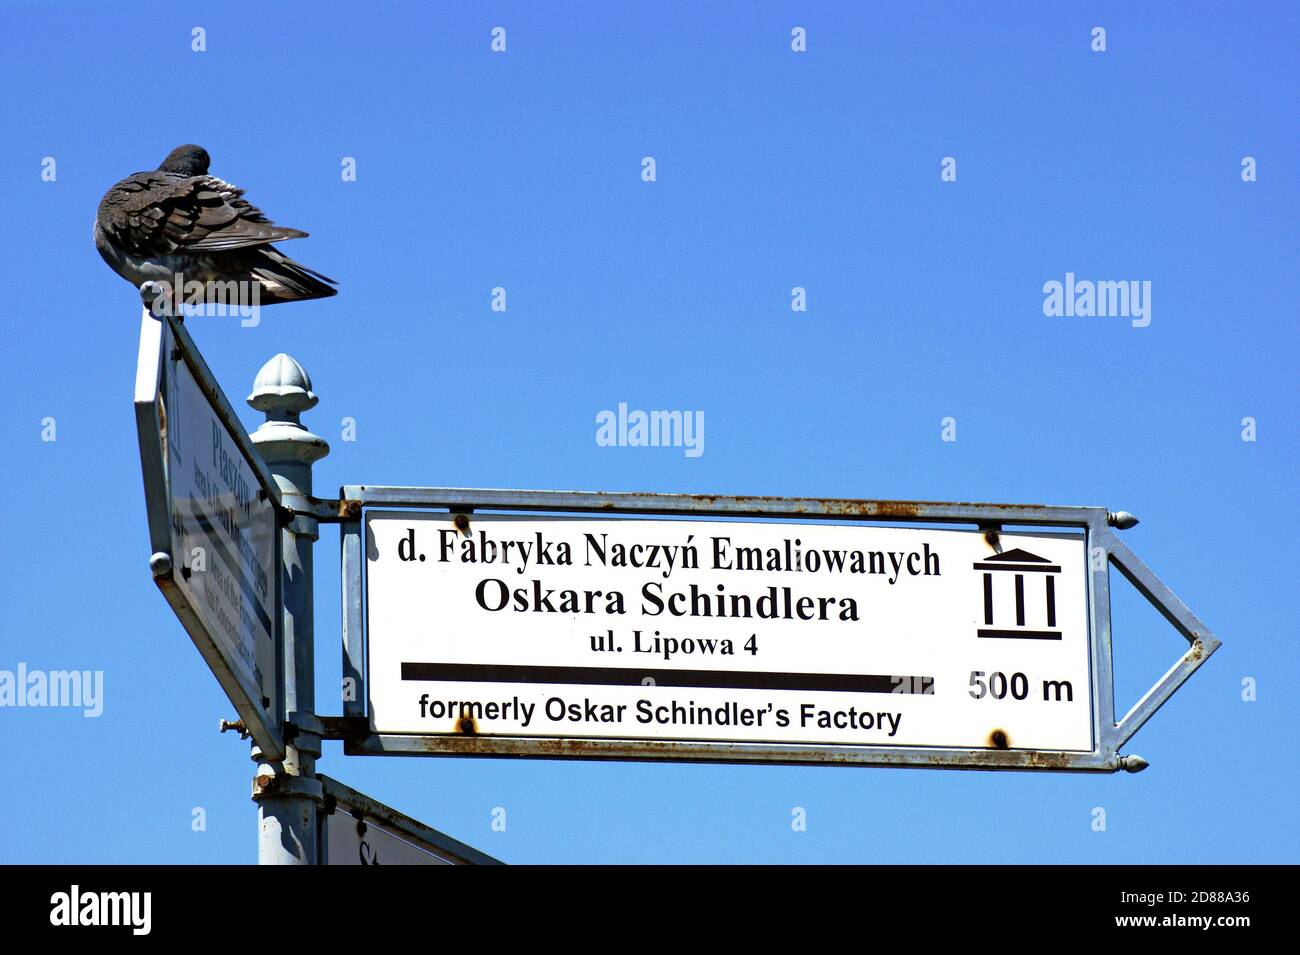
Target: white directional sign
[(357, 830), (210, 514), (354, 840), (729, 632)]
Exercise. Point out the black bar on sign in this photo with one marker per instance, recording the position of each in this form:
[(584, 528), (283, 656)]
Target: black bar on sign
[(638, 676), (232, 563), (1022, 634), (1020, 568)]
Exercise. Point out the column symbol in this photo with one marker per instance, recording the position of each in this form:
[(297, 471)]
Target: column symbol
[(1018, 564)]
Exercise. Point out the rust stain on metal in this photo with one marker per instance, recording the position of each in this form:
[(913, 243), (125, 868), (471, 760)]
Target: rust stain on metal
[(894, 508), (462, 523), (810, 505), (1000, 757), (996, 757), (823, 505), (352, 509), (1049, 760), (992, 537), (465, 724)]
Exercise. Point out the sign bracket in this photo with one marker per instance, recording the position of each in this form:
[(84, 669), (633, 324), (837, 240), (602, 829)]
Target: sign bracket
[(1202, 642)]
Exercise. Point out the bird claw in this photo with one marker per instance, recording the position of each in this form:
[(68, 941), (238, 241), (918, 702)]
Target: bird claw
[(156, 298)]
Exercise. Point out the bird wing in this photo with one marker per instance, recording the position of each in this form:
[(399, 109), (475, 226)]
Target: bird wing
[(156, 213)]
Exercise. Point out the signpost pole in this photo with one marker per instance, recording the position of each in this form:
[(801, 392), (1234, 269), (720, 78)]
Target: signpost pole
[(287, 792)]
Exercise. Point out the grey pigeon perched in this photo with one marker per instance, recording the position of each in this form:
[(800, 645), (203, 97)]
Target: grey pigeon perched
[(179, 221)]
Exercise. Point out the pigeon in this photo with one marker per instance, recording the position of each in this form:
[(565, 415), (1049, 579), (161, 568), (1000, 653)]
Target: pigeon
[(178, 221)]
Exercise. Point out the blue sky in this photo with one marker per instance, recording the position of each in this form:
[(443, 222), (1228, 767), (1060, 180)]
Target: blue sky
[(775, 169)]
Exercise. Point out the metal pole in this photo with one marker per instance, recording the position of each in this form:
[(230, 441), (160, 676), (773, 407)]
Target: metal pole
[(287, 792)]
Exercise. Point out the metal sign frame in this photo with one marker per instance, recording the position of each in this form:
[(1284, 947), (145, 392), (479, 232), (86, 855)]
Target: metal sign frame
[(1096, 523), (149, 386), (411, 830)]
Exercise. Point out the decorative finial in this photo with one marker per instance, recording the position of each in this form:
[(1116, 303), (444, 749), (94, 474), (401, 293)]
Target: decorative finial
[(282, 385), (1121, 519), (281, 391)]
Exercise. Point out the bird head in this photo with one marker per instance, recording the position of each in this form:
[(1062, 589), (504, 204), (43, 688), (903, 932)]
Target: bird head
[(187, 160)]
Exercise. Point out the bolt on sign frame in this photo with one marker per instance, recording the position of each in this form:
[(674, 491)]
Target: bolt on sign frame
[(1096, 524)]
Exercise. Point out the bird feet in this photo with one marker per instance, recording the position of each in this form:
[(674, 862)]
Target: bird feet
[(157, 299)]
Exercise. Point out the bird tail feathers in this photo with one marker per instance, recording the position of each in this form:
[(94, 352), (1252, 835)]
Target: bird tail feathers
[(284, 280)]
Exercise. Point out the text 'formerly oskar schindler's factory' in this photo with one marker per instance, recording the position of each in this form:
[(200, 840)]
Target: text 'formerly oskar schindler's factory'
[(520, 557), (671, 713)]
